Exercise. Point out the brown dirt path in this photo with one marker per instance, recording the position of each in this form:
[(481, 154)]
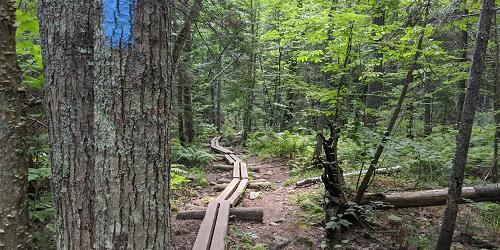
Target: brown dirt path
[(280, 229)]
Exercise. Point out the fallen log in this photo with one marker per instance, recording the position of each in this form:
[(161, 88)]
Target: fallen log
[(242, 213), (230, 167), (317, 179), (252, 185), (435, 197)]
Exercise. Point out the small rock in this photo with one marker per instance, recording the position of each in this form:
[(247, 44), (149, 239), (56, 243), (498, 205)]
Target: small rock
[(273, 223), (255, 195), (279, 242), (323, 245), (280, 220), (337, 246)]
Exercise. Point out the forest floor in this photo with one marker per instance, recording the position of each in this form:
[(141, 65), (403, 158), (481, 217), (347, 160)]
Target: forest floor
[(293, 217)]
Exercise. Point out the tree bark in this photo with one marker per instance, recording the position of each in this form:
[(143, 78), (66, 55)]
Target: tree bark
[(333, 179), (466, 123), (67, 39), (132, 113), (14, 226)]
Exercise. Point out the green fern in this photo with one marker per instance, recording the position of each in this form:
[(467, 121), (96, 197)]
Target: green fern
[(192, 157)]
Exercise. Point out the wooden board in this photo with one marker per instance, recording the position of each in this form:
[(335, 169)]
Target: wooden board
[(239, 213), (236, 158), (207, 227), (235, 197), (229, 190), (221, 226), (236, 170), (243, 170), (229, 159)]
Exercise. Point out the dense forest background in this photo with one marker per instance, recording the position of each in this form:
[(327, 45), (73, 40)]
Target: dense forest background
[(277, 78)]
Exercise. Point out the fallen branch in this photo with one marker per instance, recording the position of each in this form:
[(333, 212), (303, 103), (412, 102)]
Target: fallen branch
[(435, 197), (242, 213), (314, 180)]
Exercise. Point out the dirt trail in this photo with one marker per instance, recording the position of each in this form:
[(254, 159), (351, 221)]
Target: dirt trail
[(280, 229), (283, 228)]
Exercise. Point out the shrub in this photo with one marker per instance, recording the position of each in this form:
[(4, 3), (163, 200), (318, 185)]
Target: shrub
[(285, 143)]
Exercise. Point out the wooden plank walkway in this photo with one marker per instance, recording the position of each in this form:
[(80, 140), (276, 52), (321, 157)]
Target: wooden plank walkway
[(213, 229)]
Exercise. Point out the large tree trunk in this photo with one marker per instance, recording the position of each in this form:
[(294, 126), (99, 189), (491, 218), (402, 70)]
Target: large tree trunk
[(132, 105), (467, 120), (14, 230), (67, 38)]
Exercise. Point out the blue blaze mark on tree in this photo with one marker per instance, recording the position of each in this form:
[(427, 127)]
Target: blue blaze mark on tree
[(118, 22)]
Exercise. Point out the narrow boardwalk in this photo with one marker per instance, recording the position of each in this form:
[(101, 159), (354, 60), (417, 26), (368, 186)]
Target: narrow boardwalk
[(214, 226)]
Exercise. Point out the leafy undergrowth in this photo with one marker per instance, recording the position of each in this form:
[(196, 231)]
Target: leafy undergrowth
[(245, 240), (286, 143), (312, 213)]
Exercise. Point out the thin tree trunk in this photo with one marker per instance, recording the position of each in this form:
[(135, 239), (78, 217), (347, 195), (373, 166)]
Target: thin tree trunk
[(373, 90), (185, 32), (218, 97), (410, 110), (249, 100), (319, 123), (467, 120), (390, 126), (288, 111), (462, 84), (428, 115), (14, 226), (67, 38), (187, 94), (333, 179), (180, 104), (494, 167), (276, 85), (132, 107)]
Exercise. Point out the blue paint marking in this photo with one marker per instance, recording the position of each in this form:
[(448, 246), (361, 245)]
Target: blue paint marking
[(118, 22)]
